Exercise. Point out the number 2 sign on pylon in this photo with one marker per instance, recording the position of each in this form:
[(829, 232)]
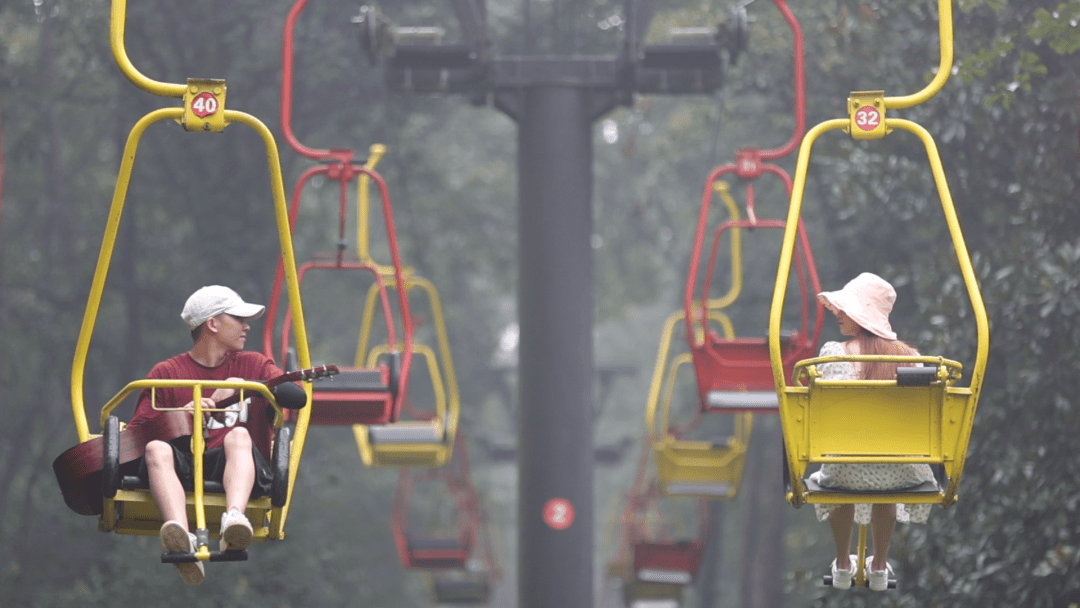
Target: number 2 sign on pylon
[(558, 513)]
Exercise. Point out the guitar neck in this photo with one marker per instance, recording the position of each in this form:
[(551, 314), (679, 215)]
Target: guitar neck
[(304, 375)]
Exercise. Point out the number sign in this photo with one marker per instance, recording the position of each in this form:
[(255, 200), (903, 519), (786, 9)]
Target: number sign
[(867, 118), (204, 104), (558, 513)]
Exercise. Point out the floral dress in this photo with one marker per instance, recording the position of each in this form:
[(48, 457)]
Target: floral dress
[(867, 476)]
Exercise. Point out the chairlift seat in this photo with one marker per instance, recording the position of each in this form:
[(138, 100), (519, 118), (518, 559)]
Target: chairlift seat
[(434, 552), (463, 591), (674, 562), (406, 432), (354, 396), (644, 594), (743, 400), (355, 380), (714, 490), (135, 482), (735, 374), (699, 468), (927, 487), (915, 419), (656, 575)]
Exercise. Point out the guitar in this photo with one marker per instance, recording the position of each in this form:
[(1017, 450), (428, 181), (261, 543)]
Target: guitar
[(79, 470)]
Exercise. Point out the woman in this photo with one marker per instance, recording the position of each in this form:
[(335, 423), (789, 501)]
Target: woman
[(862, 307)]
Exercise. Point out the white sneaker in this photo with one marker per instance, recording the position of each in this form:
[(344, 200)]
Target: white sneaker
[(878, 580), (176, 539), (235, 531), (841, 579)]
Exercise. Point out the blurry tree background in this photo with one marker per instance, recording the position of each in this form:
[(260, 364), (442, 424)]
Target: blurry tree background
[(199, 212)]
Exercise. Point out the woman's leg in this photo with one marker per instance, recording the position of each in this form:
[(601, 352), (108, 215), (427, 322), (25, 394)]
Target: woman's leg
[(842, 520), (882, 522)]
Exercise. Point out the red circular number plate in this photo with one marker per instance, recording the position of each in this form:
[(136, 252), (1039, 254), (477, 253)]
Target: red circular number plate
[(204, 104), (558, 513), (867, 118)]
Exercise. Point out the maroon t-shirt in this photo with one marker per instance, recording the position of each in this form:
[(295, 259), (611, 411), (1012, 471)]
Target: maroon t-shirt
[(253, 414)]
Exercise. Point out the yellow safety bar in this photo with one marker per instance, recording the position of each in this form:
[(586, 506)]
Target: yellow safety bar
[(363, 199), (413, 281), (141, 516), (723, 190), (204, 111), (432, 451), (955, 403), (653, 404)]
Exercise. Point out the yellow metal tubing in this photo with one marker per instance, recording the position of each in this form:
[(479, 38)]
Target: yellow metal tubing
[(669, 394), (239, 385), (744, 421), (653, 403), (788, 247), (281, 212), (860, 559), (433, 368), (97, 286), (967, 271), (945, 36), (198, 448), (116, 38), (723, 191), (425, 454), (442, 338), (105, 256), (375, 153)]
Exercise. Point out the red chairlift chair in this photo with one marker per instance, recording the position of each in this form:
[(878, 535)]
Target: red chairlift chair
[(423, 549), (359, 395), (474, 583), (734, 374)]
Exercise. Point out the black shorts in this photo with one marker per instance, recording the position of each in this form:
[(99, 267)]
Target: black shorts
[(213, 467)]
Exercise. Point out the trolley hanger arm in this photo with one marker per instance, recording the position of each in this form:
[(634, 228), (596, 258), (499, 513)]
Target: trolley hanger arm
[(945, 36), (116, 39)]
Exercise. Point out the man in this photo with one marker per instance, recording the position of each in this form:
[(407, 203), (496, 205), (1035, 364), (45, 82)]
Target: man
[(238, 443)]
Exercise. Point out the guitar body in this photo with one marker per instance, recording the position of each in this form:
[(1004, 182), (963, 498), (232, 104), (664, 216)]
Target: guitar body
[(79, 469)]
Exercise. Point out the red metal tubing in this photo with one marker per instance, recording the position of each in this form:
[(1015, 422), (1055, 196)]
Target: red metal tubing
[(800, 86), (279, 276)]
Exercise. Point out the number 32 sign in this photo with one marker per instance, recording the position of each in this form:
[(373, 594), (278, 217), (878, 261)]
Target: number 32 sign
[(867, 118)]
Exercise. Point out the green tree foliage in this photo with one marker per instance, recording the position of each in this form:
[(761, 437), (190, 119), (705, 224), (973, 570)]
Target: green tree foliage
[(1005, 125)]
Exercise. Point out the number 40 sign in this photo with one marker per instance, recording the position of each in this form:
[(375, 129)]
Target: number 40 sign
[(204, 104)]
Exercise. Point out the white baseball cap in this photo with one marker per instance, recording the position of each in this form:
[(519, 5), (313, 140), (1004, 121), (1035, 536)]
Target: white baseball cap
[(213, 300)]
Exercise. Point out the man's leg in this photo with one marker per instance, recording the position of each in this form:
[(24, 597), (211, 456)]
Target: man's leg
[(168, 493), (165, 485), (239, 476), (238, 479)]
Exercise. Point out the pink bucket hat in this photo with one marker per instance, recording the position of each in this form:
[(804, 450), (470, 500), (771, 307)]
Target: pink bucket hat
[(867, 299)]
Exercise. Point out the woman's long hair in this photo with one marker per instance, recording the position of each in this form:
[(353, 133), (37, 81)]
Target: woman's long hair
[(870, 344)]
